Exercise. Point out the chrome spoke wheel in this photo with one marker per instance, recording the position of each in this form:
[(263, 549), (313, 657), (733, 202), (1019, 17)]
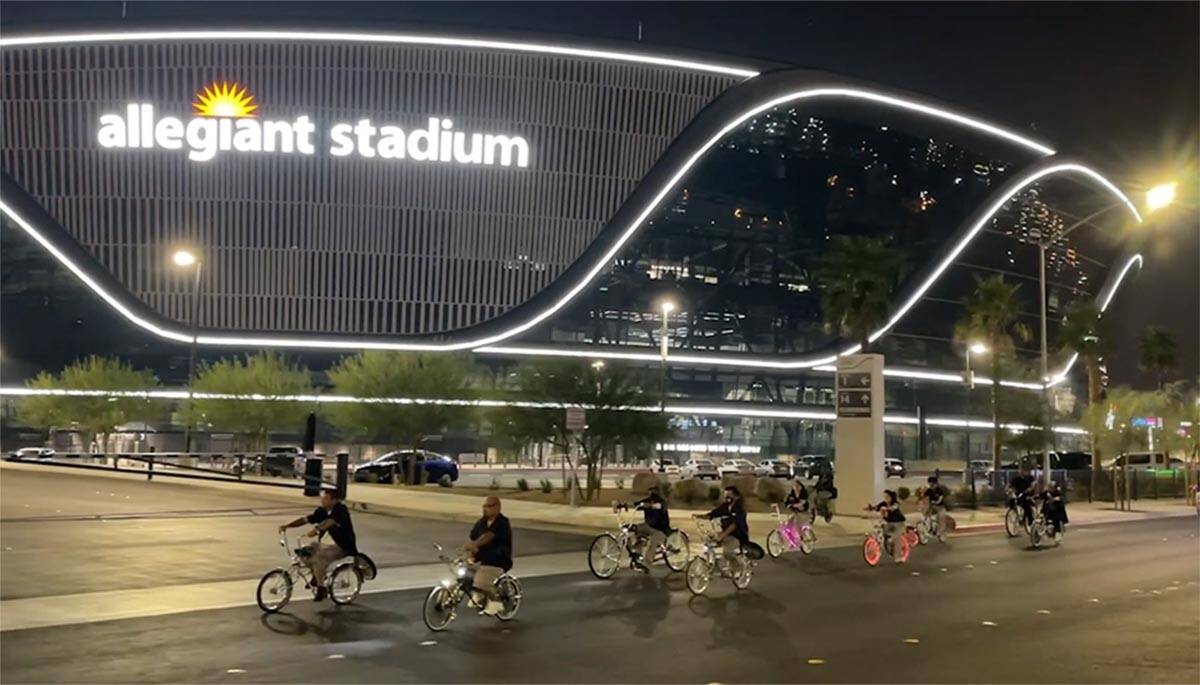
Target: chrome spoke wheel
[(676, 552), (604, 556), (438, 610), (775, 544), (345, 584), (699, 575), (274, 590)]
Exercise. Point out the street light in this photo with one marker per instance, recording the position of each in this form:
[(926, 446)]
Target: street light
[(185, 259), (1156, 198), (975, 348), (664, 344)]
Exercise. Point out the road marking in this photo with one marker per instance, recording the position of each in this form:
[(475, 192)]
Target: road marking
[(943, 569), (427, 643), (336, 656), (1094, 600), (1155, 592), (916, 573), (1170, 587), (1043, 611), (1136, 591), (993, 562), (815, 662), (235, 670), (970, 566), (912, 641), (989, 624)]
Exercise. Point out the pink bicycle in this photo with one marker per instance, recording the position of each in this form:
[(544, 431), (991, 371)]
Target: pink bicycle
[(788, 536)]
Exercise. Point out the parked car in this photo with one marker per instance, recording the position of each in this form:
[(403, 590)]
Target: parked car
[(773, 468), (1143, 461), (394, 465), (811, 465), (31, 454), (736, 467), (893, 467), (286, 461), (664, 466), (980, 465), (699, 468)]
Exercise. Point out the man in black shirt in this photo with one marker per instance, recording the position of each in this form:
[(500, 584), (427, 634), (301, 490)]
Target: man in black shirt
[(735, 529), (331, 517), (1022, 487), (491, 545), (935, 498), (653, 532)]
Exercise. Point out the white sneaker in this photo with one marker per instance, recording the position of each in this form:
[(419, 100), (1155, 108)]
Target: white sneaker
[(493, 607)]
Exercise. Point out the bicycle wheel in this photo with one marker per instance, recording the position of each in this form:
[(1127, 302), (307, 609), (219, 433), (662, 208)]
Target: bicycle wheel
[(922, 532), (345, 583), (438, 610), (775, 544), (742, 572), (872, 550), (808, 540), (1012, 522), (677, 551), (510, 597), (274, 590), (604, 556), (1035, 534), (906, 543), (366, 566), (699, 575)]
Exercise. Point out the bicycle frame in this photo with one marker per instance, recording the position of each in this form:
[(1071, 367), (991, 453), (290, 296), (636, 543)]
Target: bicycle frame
[(791, 533)]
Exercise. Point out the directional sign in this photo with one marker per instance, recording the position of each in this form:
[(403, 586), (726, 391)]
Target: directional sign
[(853, 394)]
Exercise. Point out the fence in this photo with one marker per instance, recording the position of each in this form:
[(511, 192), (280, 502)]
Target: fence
[(276, 470), (1085, 485)]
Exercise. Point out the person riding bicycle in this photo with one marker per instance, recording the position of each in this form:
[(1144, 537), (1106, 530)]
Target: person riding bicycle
[(735, 530), (491, 545), (893, 519), (797, 504), (331, 517), (1054, 507), (1022, 488), (826, 493), (653, 531), (935, 499)]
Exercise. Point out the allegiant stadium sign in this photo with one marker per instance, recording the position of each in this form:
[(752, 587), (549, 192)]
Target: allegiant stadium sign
[(225, 121)]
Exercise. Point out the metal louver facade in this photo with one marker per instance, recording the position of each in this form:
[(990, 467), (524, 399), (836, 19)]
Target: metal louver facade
[(341, 244)]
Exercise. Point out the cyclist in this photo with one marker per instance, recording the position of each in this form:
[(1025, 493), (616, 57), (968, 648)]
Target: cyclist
[(1022, 487), (491, 545), (889, 510), (1054, 507), (735, 530), (796, 502), (826, 493), (935, 498), (653, 531), (331, 517)]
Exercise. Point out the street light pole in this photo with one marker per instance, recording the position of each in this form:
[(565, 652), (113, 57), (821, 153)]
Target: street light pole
[(184, 259), (664, 346)]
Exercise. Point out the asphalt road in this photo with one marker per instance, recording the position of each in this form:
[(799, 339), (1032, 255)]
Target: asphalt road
[(1115, 603), (67, 532)]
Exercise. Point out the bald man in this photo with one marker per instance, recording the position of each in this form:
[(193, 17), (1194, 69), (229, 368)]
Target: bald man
[(491, 545)]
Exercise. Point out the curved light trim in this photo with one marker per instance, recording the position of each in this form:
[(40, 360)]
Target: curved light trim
[(1105, 299), (379, 38)]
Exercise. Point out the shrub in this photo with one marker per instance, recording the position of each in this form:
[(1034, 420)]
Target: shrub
[(769, 490), (903, 492), (744, 484), (643, 480), (690, 490), (495, 484), (619, 482), (522, 485), (546, 485), (664, 488), (445, 481)]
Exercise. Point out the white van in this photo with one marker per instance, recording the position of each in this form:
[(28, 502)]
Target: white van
[(1142, 461)]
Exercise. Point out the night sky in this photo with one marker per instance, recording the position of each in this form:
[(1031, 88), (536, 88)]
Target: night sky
[(1117, 85)]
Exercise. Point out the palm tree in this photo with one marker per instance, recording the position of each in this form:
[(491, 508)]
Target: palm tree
[(1157, 352), (993, 316), (857, 278), (1085, 332)]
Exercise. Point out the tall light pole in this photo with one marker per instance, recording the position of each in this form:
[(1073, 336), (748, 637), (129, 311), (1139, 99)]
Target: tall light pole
[(664, 346), (1156, 198), (976, 348), (187, 260)]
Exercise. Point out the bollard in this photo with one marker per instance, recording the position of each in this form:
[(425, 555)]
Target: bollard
[(150, 467), (343, 473), (241, 465), (312, 476)]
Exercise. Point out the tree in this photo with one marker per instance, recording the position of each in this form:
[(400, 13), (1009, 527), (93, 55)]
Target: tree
[(1109, 422), (1157, 352), (415, 375), (858, 277), (265, 373), (1086, 332), (992, 316), (95, 416), (619, 412)]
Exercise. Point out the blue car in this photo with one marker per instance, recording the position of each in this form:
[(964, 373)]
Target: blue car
[(391, 467)]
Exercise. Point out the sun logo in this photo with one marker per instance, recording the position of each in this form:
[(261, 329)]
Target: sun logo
[(224, 100)]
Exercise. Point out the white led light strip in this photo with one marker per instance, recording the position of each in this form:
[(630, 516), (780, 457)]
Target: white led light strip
[(697, 409), (376, 38), (601, 262)]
